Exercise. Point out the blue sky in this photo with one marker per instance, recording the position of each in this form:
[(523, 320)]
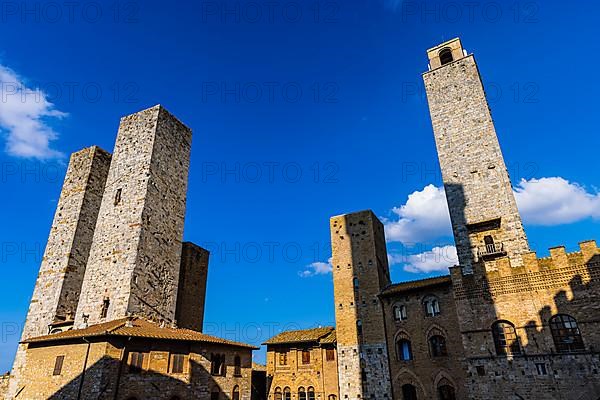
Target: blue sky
[(300, 111)]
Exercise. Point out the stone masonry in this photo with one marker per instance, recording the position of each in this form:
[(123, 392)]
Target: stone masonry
[(478, 188), (136, 252), (360, 272), (61, 273), (192, 287)]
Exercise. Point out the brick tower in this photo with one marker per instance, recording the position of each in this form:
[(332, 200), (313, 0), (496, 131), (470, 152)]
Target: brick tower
[(360, 272), (59, 281), (135, 256), (485, 219)]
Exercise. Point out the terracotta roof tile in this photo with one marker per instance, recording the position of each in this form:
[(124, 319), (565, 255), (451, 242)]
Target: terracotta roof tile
[(414, 285), (137, 328), (321, 335)]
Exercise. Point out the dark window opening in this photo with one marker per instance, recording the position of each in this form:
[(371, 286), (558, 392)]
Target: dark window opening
[(58, 364), (330, 355), (446, 392), (301, 393), (136, 362), (311, 393), (505, 338), (437, 344), (305, 357), (566, 334), (409, 392), (278, 395), (432, 306), (404, 350), (236, 393), (104, 309), (177, 363), (446, 56), (283, 358), (118, 196), (359, 328), (480, 370), (541, 369), (217, 364), (215, 395), (237, 366), (287, 394)]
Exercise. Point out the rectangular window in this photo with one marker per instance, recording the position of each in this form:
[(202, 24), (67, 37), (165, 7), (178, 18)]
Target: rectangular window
[(136, 362), (118, 197), (480, 370), (305, 357), (177, 363), (541, 369), (330, 355), (283, 358), (104, 309), (58, 364), (217, 364)]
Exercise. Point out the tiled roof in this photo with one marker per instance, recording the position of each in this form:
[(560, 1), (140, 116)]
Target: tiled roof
[(137, 327), (321, 335), (414, 285)]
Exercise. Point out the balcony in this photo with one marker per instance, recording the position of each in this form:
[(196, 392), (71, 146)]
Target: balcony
[(491, 251)]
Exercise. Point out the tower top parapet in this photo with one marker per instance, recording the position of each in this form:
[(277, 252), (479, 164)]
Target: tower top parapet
[(445, 53)]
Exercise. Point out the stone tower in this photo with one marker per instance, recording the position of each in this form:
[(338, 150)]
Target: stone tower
[(135, 256), (360, 272), (191, 294), (485, 219), (59, 281)]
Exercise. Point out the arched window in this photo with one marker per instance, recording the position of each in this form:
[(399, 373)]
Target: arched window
[(235, 395), (437, 346), (332, 397), (403, 349), (355, 282), (301, 393), (409, 392), (237, 366), (400, 312), (287, 394), (446, 392), (505, 338), (566, 334), (431, 305), (359, 327), (278, 395), (311, 393), (446, 56)]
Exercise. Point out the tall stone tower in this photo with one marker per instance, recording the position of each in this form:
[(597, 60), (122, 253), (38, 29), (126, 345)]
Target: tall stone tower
[(59, 281), (485, 219), (135, 256), (360, 272)]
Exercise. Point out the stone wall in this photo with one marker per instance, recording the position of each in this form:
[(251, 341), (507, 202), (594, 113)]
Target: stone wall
[(191, 294), (136, 252), (107, 377), (425, 371), (476, 180), (528, 297), (58, 286), (360, 272), (320, 373)]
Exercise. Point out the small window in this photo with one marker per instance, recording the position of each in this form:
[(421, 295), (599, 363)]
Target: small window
[(446, 56), (237, 366), (136, 362), (305, 357), (432, 306), (104, 309), (311, 393), (177, 363), (58, 364), (505, 338), (278, 394), (215, 394), (480, 370), (330, 355), (235, 395), (404, 350), (437, 346), (217, 364), (359, 327), (118, 196), (541, 369), (566, 334), (446, 392), (283, 358), (355, 282), (301, 393), (400, 312), (287, 394), (332, 397)]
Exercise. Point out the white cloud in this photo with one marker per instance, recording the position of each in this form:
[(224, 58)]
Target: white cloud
[(555, 201), (438, 259), (424, 217), (24, 114), (316, 268)]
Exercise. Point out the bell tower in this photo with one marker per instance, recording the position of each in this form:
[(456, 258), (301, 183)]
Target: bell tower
[(485, 219)]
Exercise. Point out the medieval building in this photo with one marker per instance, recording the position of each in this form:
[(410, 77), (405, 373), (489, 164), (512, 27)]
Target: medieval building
[(118, 306), (504, 324)]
